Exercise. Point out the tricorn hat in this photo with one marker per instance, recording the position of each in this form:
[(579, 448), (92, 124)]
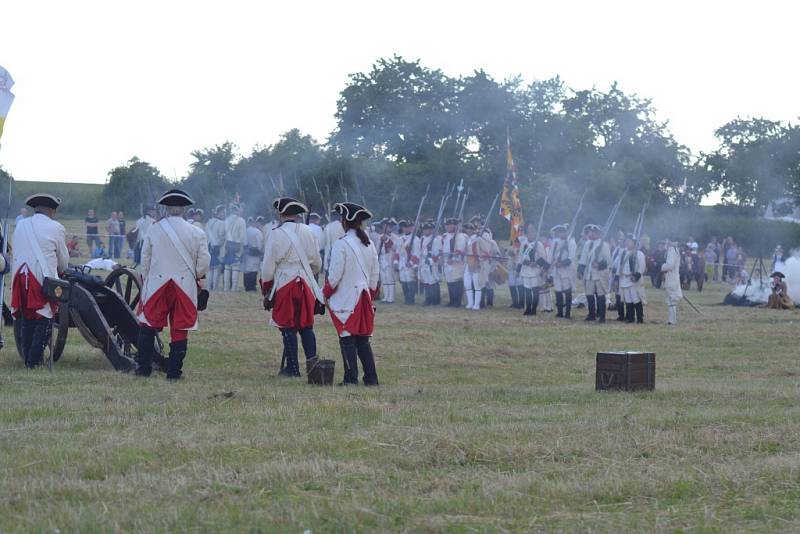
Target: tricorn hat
[(469, 226), (260, 219), (631, 237), (314, 215), (558, 228), (428, 226), (778, 274), (451, 220), (175, 197), (592, 227), (352, 212), (289, 206), (43, 200), (199, 211), (404, 224), (220, 207), (387, 220)]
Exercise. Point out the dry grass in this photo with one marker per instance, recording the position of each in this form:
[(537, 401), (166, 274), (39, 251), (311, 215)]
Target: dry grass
[(485, 421)]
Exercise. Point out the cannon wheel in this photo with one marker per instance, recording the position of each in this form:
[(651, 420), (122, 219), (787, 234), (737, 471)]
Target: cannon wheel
[(60, 330), (127, 284)]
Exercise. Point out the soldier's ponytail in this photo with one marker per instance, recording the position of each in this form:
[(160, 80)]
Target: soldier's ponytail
[(362, 235)]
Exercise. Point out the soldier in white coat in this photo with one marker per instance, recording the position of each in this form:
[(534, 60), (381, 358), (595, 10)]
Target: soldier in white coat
[(215, 233), (631, 280), (476, 267), (350, 290), (235, 230), (253, 253), (333, 232), (142, 226), (531, 264), (454, 247), (593, 269), (408, 261), (288, 281), (388, 257), (175, 260), (617, 250), (429, 264), (672, 281), (562, 258), (40, 250)]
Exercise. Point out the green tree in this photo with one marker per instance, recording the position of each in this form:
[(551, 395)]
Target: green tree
[(136, 183)]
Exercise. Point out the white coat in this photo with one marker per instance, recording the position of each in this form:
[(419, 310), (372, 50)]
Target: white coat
[(254, 250), (429, 259), (672, 277), (281, 262), (161, 261), (454, 247), (235, 228), (563, 252), (408, 258), (142, 227), (319, 235), (530, 252), (595, 251), (52, 241), (388, 254), (349, 276), (333, 232)]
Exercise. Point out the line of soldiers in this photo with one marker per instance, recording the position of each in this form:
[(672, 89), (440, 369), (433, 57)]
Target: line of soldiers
[(472, 265)]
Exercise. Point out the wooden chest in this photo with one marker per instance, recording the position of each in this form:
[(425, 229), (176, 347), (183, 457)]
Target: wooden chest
[(627, 371)]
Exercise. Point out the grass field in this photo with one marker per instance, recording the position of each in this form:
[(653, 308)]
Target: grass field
[(484, 421)]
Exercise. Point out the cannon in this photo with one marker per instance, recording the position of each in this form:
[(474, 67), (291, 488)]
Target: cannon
[(104, 312)]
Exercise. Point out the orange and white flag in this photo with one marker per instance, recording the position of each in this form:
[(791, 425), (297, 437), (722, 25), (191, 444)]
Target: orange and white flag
[(510, 204)]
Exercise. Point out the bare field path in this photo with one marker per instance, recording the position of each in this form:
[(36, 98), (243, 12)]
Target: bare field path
[(484, 421)]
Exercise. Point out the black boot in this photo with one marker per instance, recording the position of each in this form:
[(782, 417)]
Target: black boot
[(40, 338), (618, 305), (367, 360), (437, 294), (26, 336), (520, 297), (568, 304), (489, 297), (350, 360), (638, 308), (177, 352), (292, 368), (601, 308), (146, 343), (513, 291), (559, 304), (591, 305), (309, 341), (459, 292), (629, 313), (528, 296)]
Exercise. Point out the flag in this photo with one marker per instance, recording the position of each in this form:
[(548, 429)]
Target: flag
[(6, 96), (510, 205)]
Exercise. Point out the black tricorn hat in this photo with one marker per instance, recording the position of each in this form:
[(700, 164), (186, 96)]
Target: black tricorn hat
[(314, 215), (175, 197), (559, 228), (404, 224), (199, 211), (428, 226), (352, 212), (778, 274), (469, 226), (289, 206), (592, 227), (631, 237), (451, 220), (43, 200)]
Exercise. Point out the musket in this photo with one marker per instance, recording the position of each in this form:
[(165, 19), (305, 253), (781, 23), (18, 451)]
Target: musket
[(391, 202), (321, 196), (692, 305), (460, 188), (410, 246), (342, 187), (440, 214), (575, 217), (541, 215), (488, 215), (613, 215), (463, 203), (637, 232)]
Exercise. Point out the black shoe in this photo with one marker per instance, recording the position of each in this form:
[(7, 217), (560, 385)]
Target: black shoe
[(591, 318), (601, 320), (345, 384)]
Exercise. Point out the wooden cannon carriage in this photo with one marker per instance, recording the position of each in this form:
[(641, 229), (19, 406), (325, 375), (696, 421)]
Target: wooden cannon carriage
[(103, 311)]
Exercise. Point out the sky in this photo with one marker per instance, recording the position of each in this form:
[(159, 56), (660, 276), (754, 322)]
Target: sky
[(98, 82)]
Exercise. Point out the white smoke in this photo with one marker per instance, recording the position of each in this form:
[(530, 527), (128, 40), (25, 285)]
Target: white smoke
[(758, 291)]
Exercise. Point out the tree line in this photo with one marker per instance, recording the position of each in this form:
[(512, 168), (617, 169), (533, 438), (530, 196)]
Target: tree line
[(402, 126)]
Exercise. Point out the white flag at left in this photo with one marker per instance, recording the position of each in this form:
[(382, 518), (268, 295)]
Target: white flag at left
[(6, 96)]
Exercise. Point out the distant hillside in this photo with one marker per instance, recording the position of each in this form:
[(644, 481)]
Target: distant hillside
[(77, 197)]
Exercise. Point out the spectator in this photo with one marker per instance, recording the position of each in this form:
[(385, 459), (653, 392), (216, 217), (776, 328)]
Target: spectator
[(711, 258), (692, 244), (100, 250), (729, 270), (778, 260), (73, 248), (22, 214), (112, 229), (92, 229), (122, 230), (717, 249)]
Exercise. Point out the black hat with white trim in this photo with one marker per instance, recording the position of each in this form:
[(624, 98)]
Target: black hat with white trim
[(428, 226), (289, 206), (559, 228), (352, 212), (175, 197), (43, 200), (314, 215), (778, 274), (451, 220), (220, 207), (199, 211), (592, 227)]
